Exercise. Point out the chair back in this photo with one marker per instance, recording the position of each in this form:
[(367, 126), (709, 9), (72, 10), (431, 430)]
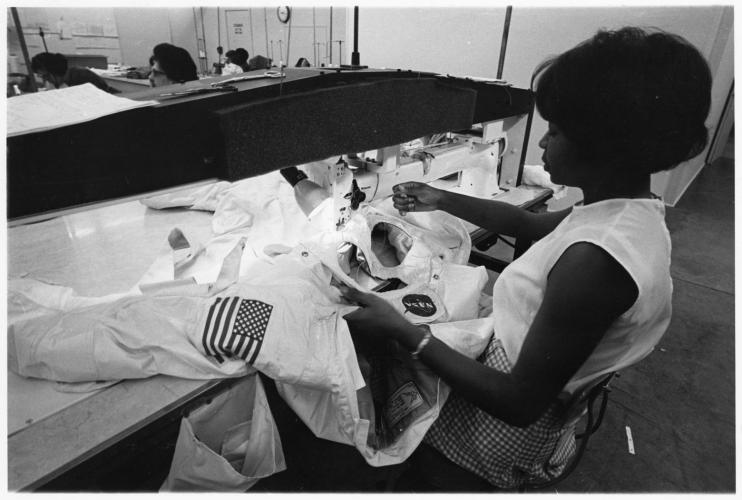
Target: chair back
[(574, 407)]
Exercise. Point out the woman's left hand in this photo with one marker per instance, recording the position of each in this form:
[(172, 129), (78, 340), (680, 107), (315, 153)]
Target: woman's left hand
[(375, 318)]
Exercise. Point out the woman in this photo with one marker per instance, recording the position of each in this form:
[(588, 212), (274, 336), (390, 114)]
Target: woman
[(170, 65), (593, 294)]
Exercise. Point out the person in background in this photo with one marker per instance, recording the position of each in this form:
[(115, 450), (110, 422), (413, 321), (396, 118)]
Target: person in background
[(141, 72), (592, 295), (230, 67), (259, 62), (302, 63), (240, 58), (56, 73), (171, 64)]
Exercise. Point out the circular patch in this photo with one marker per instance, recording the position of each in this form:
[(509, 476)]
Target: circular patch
[(419, 305)]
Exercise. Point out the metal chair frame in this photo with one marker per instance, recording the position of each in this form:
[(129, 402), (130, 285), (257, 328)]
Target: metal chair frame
[(581, 404)]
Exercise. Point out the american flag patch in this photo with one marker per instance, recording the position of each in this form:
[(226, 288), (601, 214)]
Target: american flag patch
[(235, 327)]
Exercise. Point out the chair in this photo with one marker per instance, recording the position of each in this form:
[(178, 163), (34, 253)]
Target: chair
[(577, 407)]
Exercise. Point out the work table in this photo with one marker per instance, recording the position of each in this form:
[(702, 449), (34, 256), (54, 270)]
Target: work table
[(97, 251)]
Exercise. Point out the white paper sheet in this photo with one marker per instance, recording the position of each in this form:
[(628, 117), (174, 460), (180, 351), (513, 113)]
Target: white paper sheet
[(57, 108)]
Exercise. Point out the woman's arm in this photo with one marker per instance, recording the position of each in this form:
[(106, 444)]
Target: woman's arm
[(586, 291), (496, 216)]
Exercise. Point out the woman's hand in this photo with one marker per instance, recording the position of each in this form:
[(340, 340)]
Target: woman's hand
[(416, 197), (375, 318)]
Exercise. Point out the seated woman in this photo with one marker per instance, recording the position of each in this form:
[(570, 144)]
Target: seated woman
[(259, 62), (171, 64), (230, 67), (593, 294), (56, 73), (240, 58)]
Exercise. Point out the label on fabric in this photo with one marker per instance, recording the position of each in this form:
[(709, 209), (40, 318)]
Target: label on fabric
[(402, 402), (419, 305)]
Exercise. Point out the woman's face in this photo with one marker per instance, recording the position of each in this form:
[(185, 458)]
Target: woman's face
[(157, 77), (561, 158)]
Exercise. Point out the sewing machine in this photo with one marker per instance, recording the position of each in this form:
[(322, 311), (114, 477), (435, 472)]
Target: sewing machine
[(85, 179), (468, 161), (271, 123)]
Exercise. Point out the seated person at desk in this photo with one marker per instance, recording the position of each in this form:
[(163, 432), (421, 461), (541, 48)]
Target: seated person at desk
[(240, 58), (593, 294), (259, 62), (56, 73), (230, 67), (170, 65), (140, 72)]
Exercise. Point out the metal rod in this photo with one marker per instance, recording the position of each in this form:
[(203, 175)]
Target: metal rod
[(43, 40), (265, 20), (504, 44), (288, 43), (355, 58), (195, 30), (205, 60), (314, 35), (330, 44), (24, 48)]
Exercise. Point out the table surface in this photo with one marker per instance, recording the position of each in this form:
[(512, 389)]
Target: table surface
[(97, 251)]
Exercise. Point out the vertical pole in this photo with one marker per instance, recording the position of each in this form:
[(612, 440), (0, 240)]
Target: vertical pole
[(314, 35), (24, 48), (330, 42), (265, 19), (43, 40), (288, 43), (195, 30), (205, 60), (355, 58), (504, 44)]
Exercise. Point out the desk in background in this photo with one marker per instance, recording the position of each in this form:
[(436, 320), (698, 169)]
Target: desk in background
[(126, 85)]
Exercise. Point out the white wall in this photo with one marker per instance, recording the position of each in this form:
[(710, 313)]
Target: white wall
[(139, 31), (537, 33), (308, 26), (83, 31), (458, 41), (466, 41)]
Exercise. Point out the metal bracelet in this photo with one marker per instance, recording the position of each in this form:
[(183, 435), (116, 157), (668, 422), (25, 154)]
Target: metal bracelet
[(423, 342)]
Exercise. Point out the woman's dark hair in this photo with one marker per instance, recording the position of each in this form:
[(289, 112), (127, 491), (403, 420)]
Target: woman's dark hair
[(56, 64), (175, 62), (240, 57), (634, 98)]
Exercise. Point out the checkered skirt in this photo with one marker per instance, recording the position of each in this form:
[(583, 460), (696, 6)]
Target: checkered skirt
[(503, 455)]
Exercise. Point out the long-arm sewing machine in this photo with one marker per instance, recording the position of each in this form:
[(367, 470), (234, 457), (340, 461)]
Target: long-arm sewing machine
[(307, 115)]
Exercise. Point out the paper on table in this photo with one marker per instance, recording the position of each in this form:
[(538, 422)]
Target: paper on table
[(57, 108)]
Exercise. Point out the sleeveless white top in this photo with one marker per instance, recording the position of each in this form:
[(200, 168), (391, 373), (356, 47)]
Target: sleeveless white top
[(633, 232)]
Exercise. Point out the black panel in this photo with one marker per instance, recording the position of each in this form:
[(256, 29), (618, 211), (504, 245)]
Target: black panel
[(269, 134), (310, 114)]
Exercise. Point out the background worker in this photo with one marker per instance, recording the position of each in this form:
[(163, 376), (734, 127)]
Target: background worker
[(57, 73), (170, 65)]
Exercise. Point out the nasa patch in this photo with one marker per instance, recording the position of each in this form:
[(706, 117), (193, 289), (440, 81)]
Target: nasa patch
[(419, 305)]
